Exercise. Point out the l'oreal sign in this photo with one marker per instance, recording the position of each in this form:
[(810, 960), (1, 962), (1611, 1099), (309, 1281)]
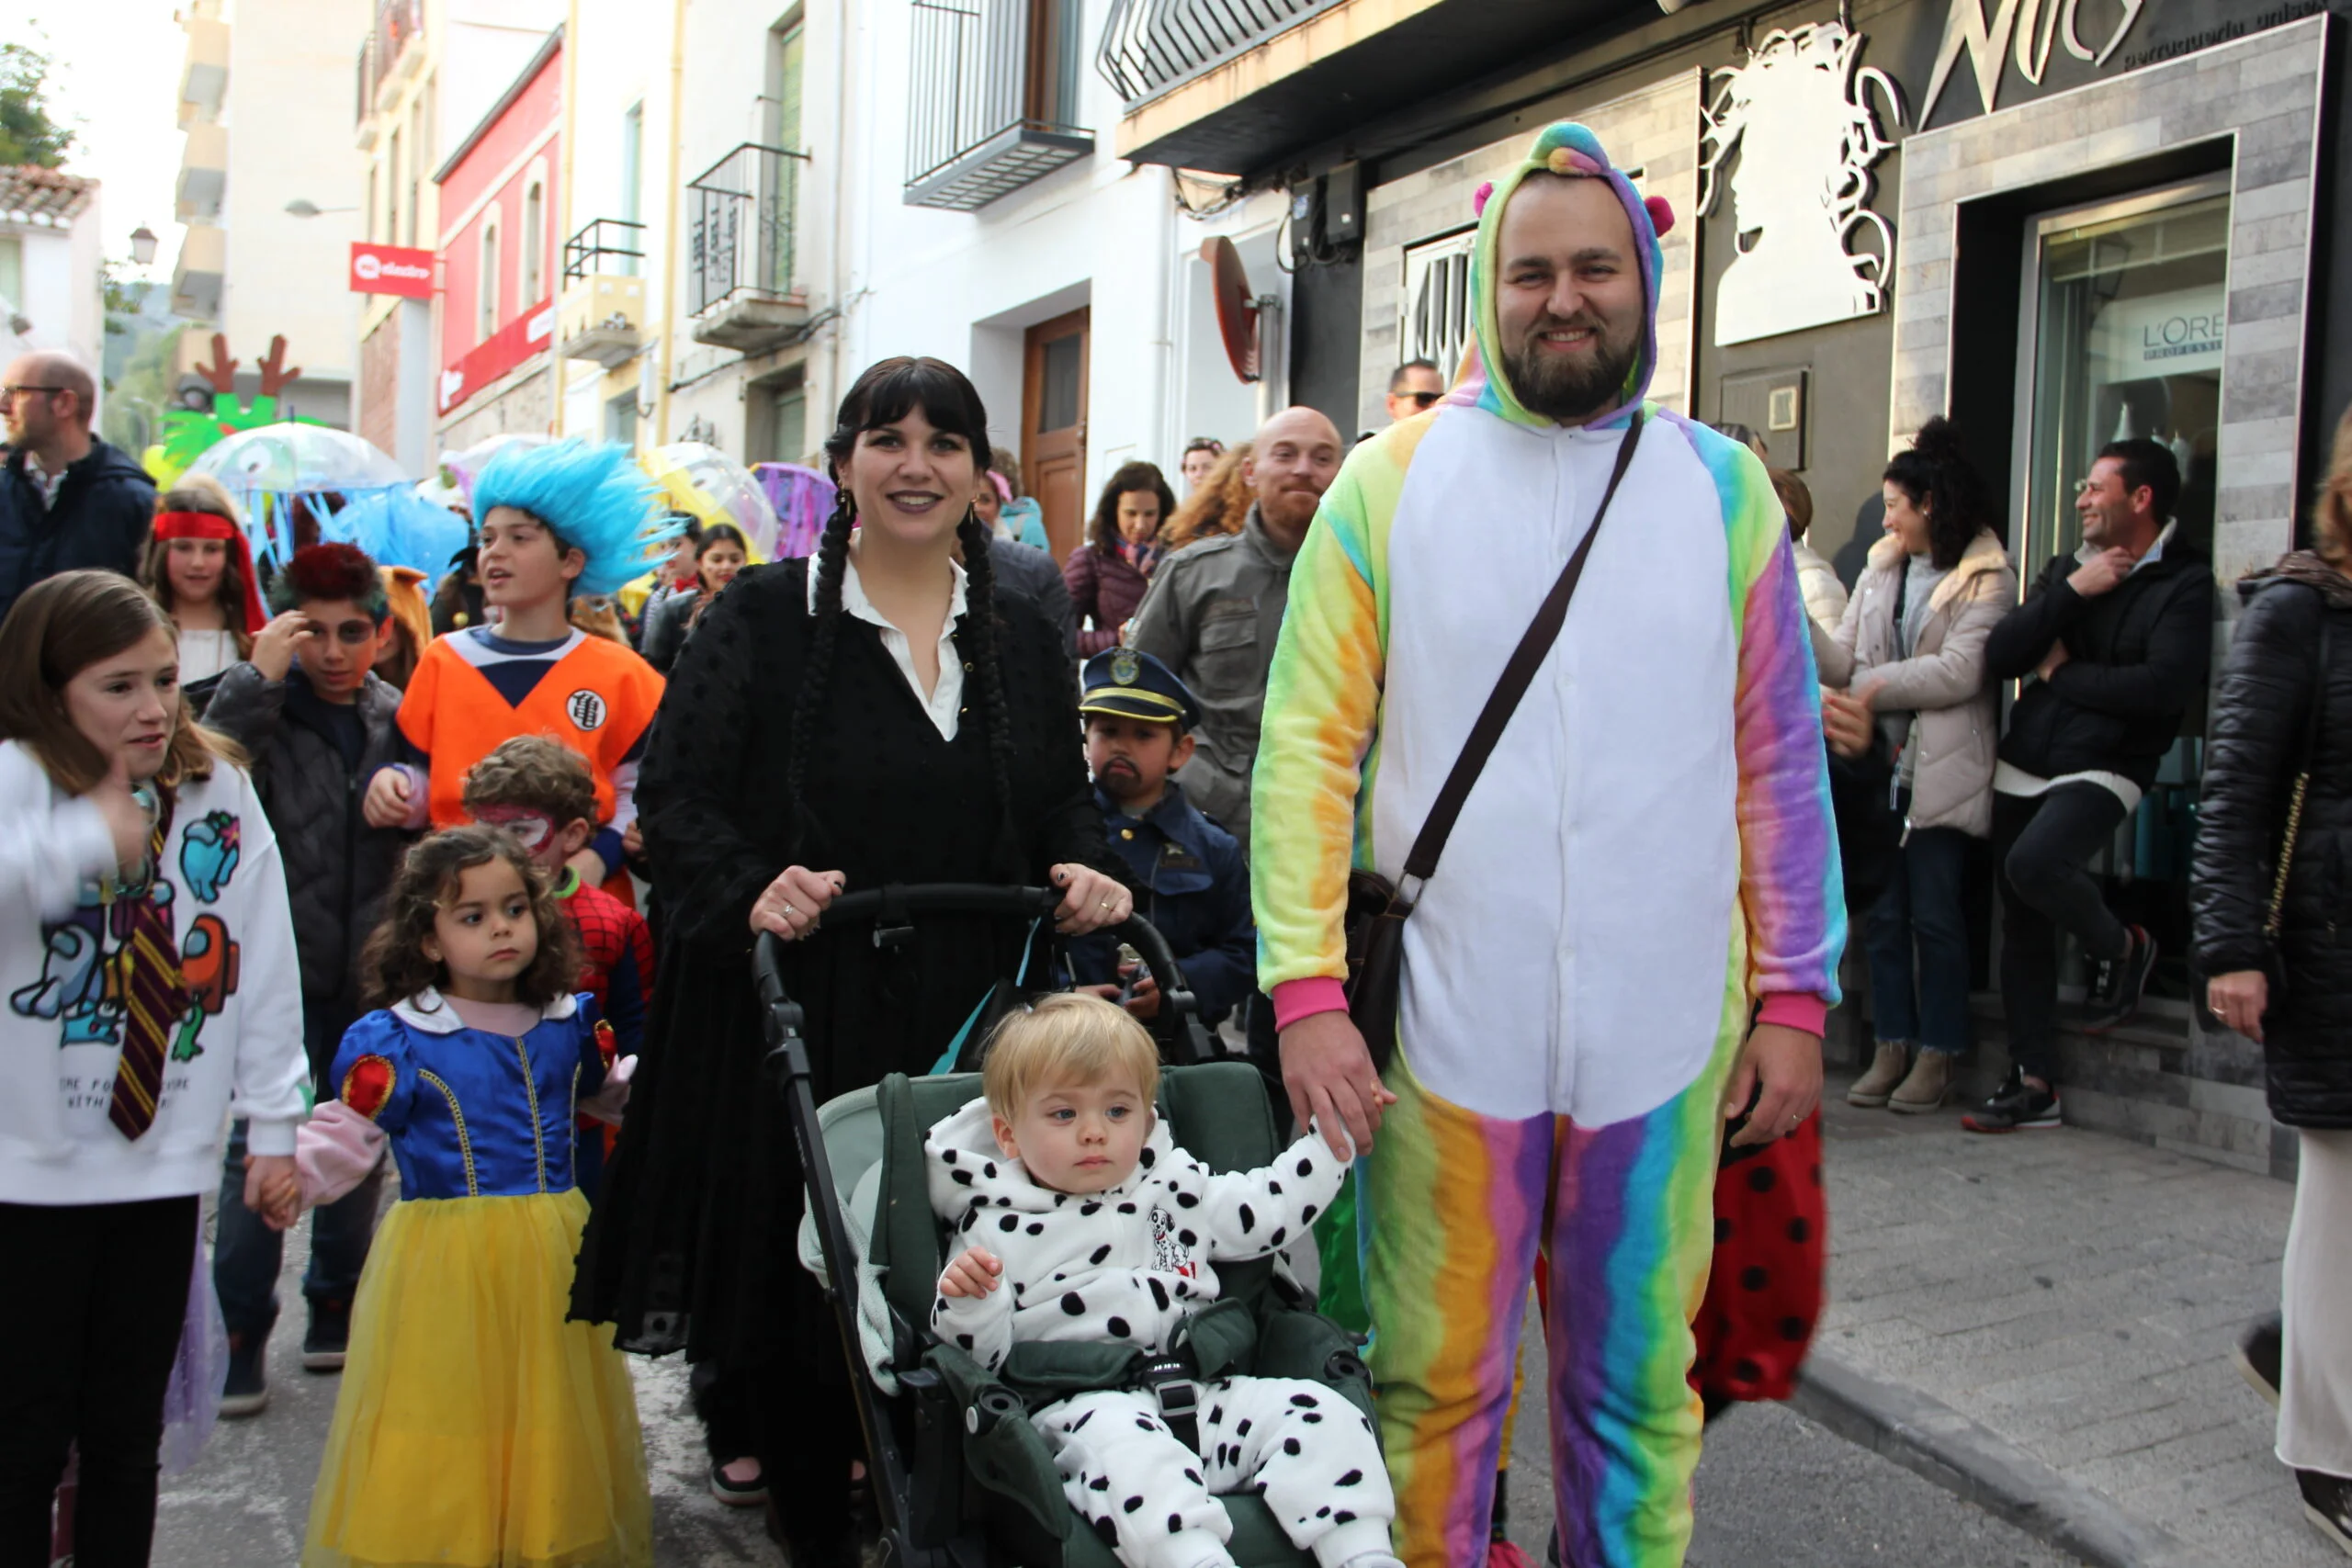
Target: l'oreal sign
[(2160, 334)]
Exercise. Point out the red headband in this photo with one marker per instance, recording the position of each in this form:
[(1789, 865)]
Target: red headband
[(212, 525)]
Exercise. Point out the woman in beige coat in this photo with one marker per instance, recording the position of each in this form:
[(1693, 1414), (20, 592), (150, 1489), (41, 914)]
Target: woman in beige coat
[(1910, 655)]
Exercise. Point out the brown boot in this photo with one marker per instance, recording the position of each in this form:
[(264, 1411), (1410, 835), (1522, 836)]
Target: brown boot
[(1870, 1089), (1927, 1088)]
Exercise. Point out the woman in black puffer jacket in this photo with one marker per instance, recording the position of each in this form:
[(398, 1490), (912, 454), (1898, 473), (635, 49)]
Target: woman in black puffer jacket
[(2285, 704)]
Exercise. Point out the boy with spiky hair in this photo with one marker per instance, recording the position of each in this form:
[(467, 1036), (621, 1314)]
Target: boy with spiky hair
[(555, 520)]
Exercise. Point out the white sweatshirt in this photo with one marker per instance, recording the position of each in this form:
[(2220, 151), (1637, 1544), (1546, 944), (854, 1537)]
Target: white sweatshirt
[(1130, 1263), (237, 1050)]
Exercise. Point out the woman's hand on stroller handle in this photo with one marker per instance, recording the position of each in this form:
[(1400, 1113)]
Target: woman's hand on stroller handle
[(976, 1272), (1090, 900), (792, 904)]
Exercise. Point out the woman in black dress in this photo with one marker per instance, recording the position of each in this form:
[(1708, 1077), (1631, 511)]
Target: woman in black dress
[(876, 715)]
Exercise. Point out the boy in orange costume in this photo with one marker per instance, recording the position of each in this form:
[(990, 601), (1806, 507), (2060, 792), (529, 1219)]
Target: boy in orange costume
[(556, 521)]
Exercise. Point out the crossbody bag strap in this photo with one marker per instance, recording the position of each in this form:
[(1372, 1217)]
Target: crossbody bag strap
[(1518, 675), (2275, 916)]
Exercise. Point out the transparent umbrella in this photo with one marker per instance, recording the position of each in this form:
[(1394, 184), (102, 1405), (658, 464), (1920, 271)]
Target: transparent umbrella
[(704, 480), (288, 478), (461, 469)]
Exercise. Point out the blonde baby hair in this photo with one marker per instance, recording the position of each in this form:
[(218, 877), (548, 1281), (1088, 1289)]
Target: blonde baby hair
[(1066, 1038)]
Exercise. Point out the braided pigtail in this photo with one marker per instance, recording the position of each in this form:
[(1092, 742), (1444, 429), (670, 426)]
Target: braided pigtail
[(980, 626), (832, 554)]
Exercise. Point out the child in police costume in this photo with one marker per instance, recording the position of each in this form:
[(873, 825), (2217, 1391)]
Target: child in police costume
[(1191, 880)]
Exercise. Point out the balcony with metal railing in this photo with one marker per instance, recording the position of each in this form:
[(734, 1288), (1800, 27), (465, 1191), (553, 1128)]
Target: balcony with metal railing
[(398, 24), (1150, 47), (742, 285), (387, 49), (1242, 86), (995, 92), (601, 314)]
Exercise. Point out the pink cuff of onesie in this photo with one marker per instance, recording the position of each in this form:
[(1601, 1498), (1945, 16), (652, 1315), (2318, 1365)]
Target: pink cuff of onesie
[(333, 1152), (1795, 1009), (1295, 1000)]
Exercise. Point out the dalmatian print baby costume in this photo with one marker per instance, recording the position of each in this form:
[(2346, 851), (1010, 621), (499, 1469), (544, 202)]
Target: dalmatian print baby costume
[(1130, 1264)]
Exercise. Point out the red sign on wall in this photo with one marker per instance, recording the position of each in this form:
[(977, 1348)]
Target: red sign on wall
[(392, 269), (518, 340)]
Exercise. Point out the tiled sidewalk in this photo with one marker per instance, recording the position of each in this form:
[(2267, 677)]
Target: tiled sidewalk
[(2076, 1295)]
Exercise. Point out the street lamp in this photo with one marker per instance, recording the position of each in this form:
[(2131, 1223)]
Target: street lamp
[(303, 206), (143, 245)]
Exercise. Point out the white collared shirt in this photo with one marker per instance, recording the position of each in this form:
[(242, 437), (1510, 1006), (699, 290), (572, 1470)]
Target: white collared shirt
[(946, 702), (2087, 553)]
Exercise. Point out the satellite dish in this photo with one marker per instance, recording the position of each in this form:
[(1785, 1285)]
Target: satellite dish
[(1236, 308)]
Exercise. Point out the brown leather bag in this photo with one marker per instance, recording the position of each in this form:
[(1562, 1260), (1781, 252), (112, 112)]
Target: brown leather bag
[(1376, 910)]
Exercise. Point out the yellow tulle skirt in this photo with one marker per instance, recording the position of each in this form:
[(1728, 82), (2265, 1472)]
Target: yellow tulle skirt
[(476, 1428)]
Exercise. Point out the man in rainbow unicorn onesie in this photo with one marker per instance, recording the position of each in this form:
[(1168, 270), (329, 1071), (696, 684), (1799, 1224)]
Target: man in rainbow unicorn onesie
[(1633, 935)]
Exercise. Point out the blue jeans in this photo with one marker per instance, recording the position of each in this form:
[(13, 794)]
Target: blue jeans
[(1917, 936), (247, 1253)]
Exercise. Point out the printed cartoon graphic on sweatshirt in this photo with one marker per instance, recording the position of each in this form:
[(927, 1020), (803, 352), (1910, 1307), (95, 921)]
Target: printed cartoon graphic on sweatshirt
[(84, 971), (209, 856)]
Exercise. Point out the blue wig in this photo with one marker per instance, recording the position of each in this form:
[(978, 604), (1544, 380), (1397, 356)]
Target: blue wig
[(399, 527), (593, 498)]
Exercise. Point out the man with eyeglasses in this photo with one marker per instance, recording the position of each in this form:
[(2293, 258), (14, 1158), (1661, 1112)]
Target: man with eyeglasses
[(1416, 387), (67, 499), (2111, 643), (318, 723)]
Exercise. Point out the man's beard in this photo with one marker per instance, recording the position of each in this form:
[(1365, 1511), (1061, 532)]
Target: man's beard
[(1556, 387), (1289, 508)]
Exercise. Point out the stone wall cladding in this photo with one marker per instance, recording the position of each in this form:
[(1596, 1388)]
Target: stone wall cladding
[(517, 401), (1654, 130), (2263, 92)]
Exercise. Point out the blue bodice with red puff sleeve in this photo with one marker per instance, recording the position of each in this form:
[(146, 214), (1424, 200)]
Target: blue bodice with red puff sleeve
[(470, 1113)]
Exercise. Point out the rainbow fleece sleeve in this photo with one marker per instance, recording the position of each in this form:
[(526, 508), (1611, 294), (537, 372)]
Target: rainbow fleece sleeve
[(1791, 888), (1318, 742)]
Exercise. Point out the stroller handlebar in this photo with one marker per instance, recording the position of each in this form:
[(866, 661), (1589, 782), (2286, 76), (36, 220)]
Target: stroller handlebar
[(890, 907)]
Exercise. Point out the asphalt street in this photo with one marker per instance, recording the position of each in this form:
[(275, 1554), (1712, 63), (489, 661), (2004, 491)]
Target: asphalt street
[(1775, 1490)]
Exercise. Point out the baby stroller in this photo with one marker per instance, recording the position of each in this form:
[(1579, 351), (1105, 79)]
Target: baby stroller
[(960, 1479)]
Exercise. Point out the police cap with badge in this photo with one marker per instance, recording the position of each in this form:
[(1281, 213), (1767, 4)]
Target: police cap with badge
[(1136, 685)]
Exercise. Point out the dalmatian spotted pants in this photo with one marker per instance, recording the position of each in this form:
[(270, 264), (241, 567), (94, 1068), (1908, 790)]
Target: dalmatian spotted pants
[(1309, 1452)]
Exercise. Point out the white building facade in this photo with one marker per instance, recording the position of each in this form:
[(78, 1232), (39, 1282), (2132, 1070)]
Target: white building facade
[(271, 193), (955, 194), (50, 291)]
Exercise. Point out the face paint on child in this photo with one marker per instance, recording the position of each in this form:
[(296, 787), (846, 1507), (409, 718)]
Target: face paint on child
[(538, 832)]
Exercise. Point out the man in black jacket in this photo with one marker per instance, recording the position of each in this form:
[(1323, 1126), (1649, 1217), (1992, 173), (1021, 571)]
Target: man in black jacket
[(67, 499), (2115, 638)]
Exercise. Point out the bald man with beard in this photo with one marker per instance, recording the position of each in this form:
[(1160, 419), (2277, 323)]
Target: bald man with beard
[(67, 499), (1215, 608)]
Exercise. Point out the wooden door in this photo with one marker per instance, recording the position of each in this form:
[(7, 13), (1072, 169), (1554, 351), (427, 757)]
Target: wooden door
[(1053, 427)]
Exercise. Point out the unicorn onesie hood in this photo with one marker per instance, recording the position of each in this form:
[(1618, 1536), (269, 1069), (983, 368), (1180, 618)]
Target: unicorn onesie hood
[(1649, 854)]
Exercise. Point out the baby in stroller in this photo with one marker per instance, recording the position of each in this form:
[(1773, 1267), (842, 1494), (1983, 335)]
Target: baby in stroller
[(1081, 1219)]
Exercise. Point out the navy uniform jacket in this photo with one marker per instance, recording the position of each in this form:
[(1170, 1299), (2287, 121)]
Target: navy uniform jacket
[(1193, 883)]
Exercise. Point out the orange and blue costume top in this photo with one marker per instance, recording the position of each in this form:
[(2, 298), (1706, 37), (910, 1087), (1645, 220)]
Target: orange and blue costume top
[(474, 689)]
